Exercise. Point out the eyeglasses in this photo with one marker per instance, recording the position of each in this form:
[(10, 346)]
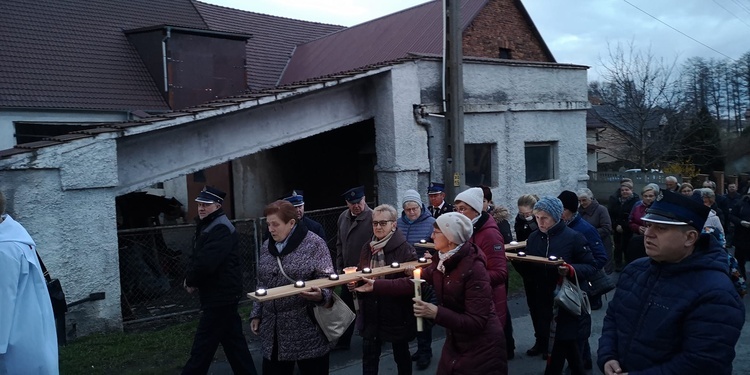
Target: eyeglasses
[(411, 209), (381, 223), (461, 209)]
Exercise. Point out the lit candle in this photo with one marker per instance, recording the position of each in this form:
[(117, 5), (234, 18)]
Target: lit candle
[(367, 270), (260, 292), (333, 276), (395, 265), (552, 257), (521, 254), (422, 241), (299, 284), (513, 243), (418, 295), (422, 260)]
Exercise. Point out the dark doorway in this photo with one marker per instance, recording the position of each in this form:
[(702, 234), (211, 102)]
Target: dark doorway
[(327, 164)]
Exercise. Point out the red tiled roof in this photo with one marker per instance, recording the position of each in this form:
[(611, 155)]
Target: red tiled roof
[(273, 39), (73, 54), (415, 30)]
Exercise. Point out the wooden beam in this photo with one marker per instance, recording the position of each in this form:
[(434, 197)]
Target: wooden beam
[(291, 290)]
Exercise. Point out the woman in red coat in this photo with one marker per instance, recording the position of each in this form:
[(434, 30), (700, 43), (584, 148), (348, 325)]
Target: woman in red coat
[(474, 341)]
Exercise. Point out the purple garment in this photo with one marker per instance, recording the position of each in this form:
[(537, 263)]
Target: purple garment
[(286, 320)]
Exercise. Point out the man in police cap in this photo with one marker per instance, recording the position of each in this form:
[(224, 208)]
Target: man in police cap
[(676, 311), (354, 231), (215, 272), (438, 205), (298, 201)]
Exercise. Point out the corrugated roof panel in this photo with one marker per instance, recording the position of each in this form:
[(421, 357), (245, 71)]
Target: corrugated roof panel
[(415, 30)]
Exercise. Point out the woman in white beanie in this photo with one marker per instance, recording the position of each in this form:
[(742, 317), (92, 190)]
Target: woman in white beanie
[(474, 335), (487, 237)]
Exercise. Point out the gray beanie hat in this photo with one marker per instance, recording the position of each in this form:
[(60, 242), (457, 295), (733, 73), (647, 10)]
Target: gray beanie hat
[(411, 195), (474, 197), (550, 205), (456, 227)]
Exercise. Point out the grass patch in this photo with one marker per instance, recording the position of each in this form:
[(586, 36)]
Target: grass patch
[(154, 351), (515, 282)]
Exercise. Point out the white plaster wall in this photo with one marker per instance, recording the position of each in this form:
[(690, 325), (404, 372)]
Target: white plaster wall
[(75, 232), (510, 105), (401, 143), (7, 118)]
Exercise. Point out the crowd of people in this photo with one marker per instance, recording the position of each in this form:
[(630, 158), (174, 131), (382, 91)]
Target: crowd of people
[(676, 308)]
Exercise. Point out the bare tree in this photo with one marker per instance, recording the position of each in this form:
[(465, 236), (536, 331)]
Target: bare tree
[(639, 96)]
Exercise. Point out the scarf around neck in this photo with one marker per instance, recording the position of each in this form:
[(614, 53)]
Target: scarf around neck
[(445, 256), (377, 257)]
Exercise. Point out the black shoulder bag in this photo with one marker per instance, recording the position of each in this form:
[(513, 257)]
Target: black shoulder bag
[(56, 294)]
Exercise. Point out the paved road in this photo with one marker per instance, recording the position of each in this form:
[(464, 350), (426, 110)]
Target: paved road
[(350, 363)]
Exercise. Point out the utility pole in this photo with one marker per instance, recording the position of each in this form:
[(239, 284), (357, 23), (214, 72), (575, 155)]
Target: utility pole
[(455, 179)]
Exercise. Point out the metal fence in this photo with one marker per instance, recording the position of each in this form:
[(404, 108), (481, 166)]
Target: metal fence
[(153, 263)]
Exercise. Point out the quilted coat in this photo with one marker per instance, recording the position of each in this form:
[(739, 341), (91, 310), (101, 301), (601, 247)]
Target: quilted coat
[(490, 242), (674, 318), (420, 229), (288, 321), (474, 338)]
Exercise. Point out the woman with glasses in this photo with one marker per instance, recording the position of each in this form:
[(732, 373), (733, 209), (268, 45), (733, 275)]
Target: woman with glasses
[(473, 339), (386, 319), (525, 221), (636, 248)]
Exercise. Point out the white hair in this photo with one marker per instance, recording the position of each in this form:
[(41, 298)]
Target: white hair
[(671, 179), (585, 192)]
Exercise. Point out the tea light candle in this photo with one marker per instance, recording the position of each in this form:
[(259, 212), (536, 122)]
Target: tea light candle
[(552, 257), (261, 292), (299, 284), (521, 254), (395, 265), (513, 242), (349, 270), (423, 241), (367, 270), (333, 276), (422, 260)]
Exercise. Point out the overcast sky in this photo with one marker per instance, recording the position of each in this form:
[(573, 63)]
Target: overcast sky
[(576, 31)]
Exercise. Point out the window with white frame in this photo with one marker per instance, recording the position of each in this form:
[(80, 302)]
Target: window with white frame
[(541, 161)]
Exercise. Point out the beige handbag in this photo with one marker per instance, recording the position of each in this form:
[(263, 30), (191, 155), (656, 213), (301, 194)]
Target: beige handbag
[(334, 320)]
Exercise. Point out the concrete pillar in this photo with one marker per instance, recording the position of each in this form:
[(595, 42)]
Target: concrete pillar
[(401, 144)]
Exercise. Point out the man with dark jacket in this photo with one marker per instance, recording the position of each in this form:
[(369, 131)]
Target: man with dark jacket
[(733, 198), (438, 205), (215, 272), (676, 311), (740, 217), (354, 231)]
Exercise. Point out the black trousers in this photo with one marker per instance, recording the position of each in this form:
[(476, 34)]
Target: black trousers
[(742, 253), (561, 351), (310, 366), (220, 325), (371, 349), (540, 299)]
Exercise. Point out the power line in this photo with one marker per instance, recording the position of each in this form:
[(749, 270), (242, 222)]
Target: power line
[(728, 11), (670, 26), (742, 6)]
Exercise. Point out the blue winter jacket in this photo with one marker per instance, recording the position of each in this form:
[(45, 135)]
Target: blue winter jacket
[(592, 236), (674, 318), (420, 229), (566, 244)]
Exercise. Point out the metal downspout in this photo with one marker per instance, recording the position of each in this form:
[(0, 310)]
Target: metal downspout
[(164, 57), (419, 117)]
